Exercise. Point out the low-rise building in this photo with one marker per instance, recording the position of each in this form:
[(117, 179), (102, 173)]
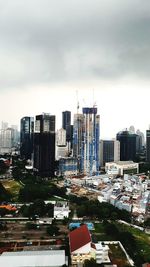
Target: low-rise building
[(121, 167), (45, 258), (61, 210)]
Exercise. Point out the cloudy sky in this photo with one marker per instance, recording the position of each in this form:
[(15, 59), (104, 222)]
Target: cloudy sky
[(50, 49)]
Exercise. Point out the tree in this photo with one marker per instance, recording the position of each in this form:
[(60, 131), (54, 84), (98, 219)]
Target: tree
[(4, 194), (111, 229), (52, 230), (147, 222), (90, 263), (31, 226)]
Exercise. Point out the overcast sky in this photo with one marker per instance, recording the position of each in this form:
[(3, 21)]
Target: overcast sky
[(49, 49)]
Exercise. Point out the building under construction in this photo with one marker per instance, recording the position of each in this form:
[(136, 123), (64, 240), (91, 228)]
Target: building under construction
[(86, 141)]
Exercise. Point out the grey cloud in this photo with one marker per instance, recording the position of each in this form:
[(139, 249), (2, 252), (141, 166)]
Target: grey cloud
[(44, 41)]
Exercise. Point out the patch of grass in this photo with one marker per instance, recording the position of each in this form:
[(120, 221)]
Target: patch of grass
[(142, 241), (99, 228)]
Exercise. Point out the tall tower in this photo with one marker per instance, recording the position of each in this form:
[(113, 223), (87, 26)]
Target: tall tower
[(128, 144), (148, 146), (44, 145), (91, 140), (66, 124), (26, 137), (78, 139)]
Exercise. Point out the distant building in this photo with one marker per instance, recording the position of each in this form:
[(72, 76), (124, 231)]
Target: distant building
[(6, 140), (26, 137), (148, 146), (109, 151), (121, 167), (4, 125), (61, 137), (66, 124), (138, 132), (128, 145), (61, 144), (44, 145)]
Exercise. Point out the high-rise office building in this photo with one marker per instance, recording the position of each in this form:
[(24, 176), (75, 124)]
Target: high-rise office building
[(66, 124), (128, 145), (26, 137), (44, 145), (86, 141), (61, 145), (148, 145), (61, 137), (109, 151)]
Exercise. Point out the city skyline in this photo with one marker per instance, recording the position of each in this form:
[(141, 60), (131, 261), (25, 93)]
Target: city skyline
[(50, 50)]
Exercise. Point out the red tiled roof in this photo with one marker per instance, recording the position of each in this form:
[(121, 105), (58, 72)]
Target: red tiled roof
[(79, 238)]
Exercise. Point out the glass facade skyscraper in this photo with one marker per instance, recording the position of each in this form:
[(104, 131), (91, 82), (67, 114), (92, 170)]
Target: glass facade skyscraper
[(66, 124), (26, 137), (44, 145)]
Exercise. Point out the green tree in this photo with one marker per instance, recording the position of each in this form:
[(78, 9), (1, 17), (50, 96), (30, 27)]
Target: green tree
[(90, 263), (52, 230)]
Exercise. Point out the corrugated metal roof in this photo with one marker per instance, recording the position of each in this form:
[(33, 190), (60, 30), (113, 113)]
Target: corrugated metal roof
[(52, 258)]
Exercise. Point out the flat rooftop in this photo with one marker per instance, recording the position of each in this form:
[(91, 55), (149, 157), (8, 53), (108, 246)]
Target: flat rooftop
[(48, 258)]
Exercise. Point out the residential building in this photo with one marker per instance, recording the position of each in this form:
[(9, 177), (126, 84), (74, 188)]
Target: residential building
[(109, 151), (44, 145), (26, 137)]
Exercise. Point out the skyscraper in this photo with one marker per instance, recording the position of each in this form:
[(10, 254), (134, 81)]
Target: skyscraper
[(78, 139), (66, 124), (148, 146), (86, 141), (44, 145), (109, 151), (91, 140), (128, 145), (26, 137)]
